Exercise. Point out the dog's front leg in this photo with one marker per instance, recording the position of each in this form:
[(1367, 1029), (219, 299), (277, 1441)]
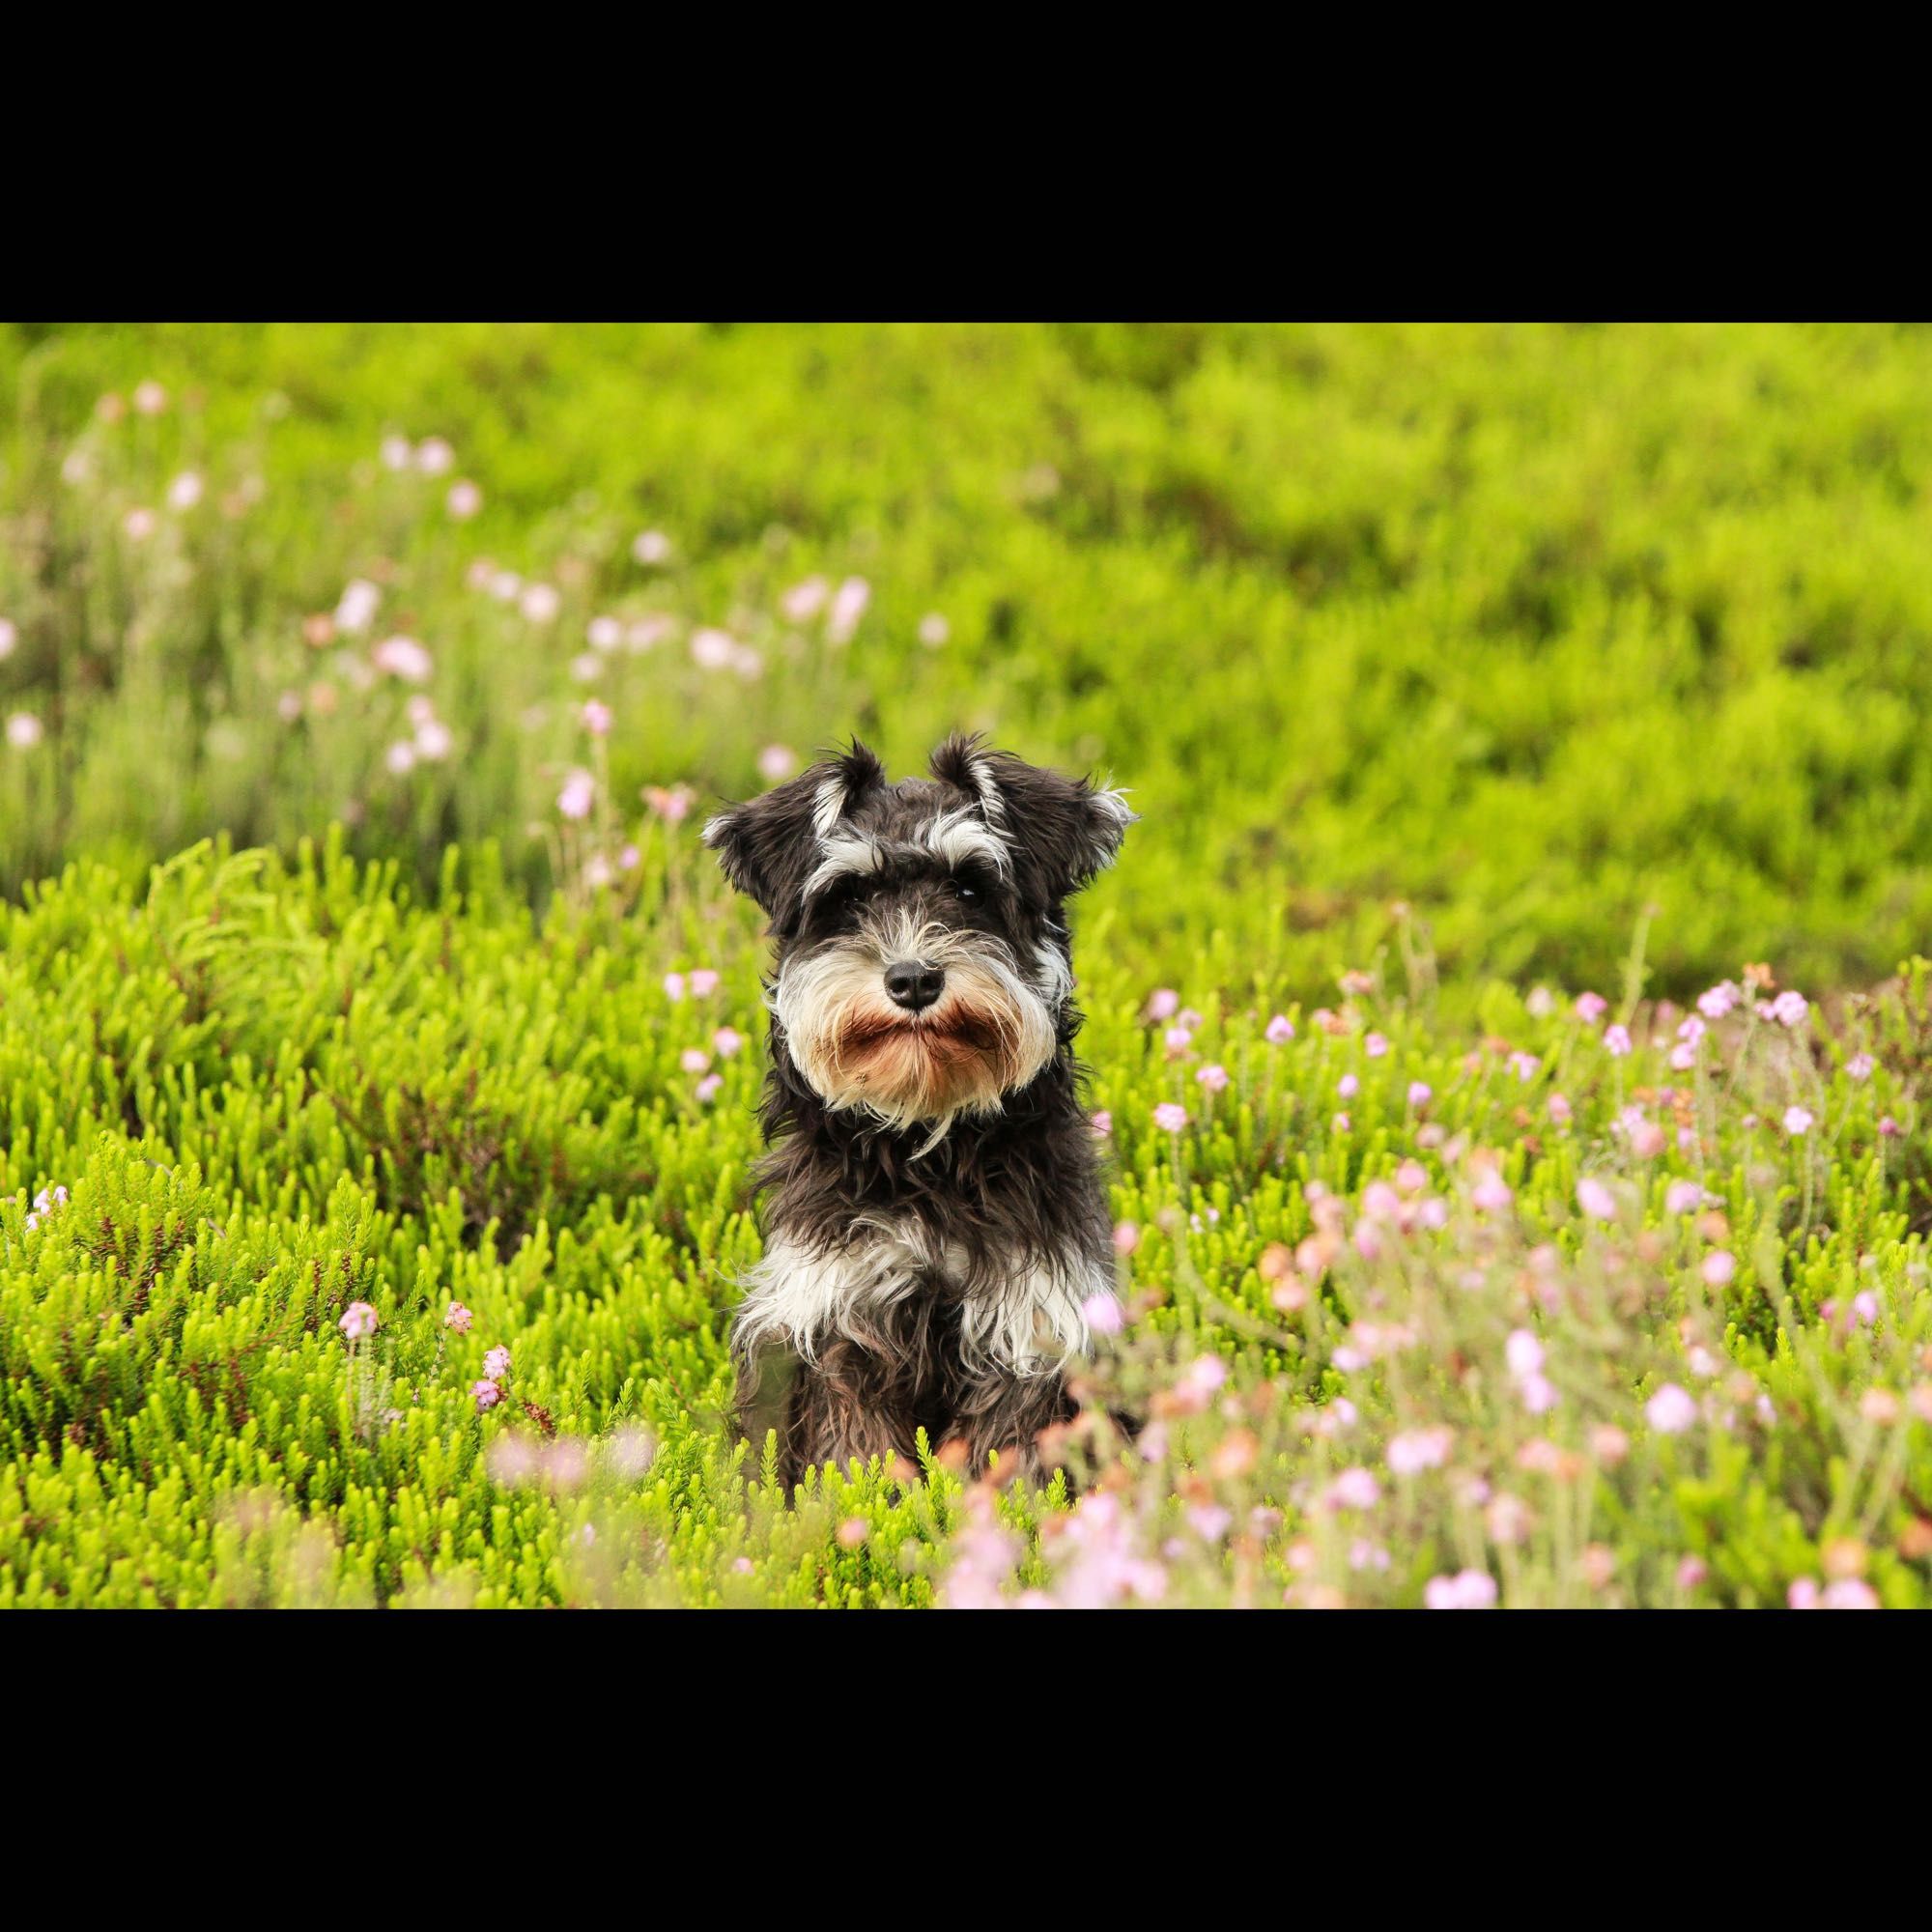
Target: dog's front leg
[(1006, 1412), (849, 1402)]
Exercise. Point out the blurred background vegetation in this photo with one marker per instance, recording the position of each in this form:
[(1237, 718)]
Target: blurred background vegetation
[(1530, 629)]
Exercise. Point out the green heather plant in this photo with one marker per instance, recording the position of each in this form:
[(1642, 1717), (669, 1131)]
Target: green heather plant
[(378, 1045)]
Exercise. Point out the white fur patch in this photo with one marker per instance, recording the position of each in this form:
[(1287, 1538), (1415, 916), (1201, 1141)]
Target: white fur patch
[(852, 853), (1025, 1318), (991, 803), (957, 836), (829, 807)]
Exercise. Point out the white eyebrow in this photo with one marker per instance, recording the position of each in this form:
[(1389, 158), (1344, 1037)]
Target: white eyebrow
[(851, 854), (957, 836)]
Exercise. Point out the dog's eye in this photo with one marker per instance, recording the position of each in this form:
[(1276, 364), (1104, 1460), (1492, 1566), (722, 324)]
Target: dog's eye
[(967, 889)]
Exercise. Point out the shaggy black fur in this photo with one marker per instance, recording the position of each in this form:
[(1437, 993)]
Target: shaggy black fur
[(999, 1194)]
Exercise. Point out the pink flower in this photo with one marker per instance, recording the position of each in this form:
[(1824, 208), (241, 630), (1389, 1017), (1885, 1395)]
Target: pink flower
[(488, 1395), (1849, 1593), (1104, 1313), (1177, 1040), (1280, 1031), (1347, 1087), (1538, 1393), (24, 731), (1420, 1093), (651, 547), (1354, 1489), (497, 1364), (1340, 1123), (1647, 1139), (1616, 1041), (1803, 1593), (1789, 1009), (1375, 1046), (1596, 1199), (597, 718), (1865, 1306), (1798, 1120), (1127, 1238), (1523, 1066), (1682, 1196), (434, 740), (672, 806), (1103, 1123), (1170, 1117), (1163, 1004), (540, 603), (933, 630), (777, 764), (579, 793), (150, 398), (673, 985), (1419, 1449), (1720, 1266), (1466, 1590), (433, 456), (802, 601), (1691, 1572), (1718, 1001), (458, 1318), (402, 657), (184, 492), (848, 605), (359, 1318), (1213, 1077), (707, 1088), (1887, 1127), (1523, 1353), (703, 981), (605, 633), (1608, 1443), (1670, 1412), (463, 500), (693, 1060), (1682, 1057), (1559, 1109), (729, 1041), (1591, 1007), (1859, 1066)]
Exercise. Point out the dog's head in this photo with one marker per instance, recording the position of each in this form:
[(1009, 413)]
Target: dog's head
[(923, 964)]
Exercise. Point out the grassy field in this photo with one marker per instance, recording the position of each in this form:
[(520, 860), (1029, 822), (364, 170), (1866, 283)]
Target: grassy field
[(1525, 729)]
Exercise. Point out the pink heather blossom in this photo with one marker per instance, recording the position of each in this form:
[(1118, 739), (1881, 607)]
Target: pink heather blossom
[(1523, 1353), (24, 731), (1798, 1120), (693, 1060), (1354, 1489), (1375, 1046), (396, 452), (1559, 1109), (1789, 1009), (1691, 1030), (673, 985), (1682, 1057), (1596, 1199), (434, 740), (605, 633), (647, 633), (1591, 1007), (1682, 1196), (1420, 1093), (464, 502), (540, 603), (1368, 1244), (10, 635), (458, 1318), (650, 547), (401, 758), (184, 492), (1524, 1065), (487, 1394), (1380, 1202), (1170, 1117), (1670, 1412), (1719, 1268), (1163, 1004), (1849, 1593), (1616, 1041), (1718, 1001), (1803, 1595), (1280, 1031), (711, 649), (1887, 1127), (1347, 1087), (497, 1364), (1177, 1040), (1340, 1123), (1104, 1313), (1647, 1139), (933, 630), (672, 806), (703, 981), (729, 1041), (506, 586), (1366, 1555), (1127, 1238), (402, 657), (848, 605), (1538, 1393), (707, 1088), (777, 764), (1691, 1573), (1103, 1123), (1212, 1078), (802, 601), (356, 611), (433, 456), (1419, 1449), (579, 794), (1865, 1306), (139, 524), (1540, 1002), (1608, 1443), (1466, 1590), (597, 718), (628, 859), (359, 1318), (1857, 1067)]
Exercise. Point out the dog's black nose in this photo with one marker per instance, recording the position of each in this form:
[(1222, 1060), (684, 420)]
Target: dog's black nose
[(913, 984)]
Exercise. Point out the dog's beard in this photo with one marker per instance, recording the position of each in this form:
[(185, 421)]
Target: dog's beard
[(988, 1034)]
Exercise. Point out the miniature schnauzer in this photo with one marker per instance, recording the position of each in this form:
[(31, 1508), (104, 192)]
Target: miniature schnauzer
[(936, 1221)]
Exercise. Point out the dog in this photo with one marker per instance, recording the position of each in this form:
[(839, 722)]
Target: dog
[(935, 1224)]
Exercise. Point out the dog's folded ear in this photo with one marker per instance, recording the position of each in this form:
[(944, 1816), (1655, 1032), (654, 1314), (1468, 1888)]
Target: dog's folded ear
[(770, 846), (1060, 831)]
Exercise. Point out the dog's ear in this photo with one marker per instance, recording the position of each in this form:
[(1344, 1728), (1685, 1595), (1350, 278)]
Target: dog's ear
[(1060, 831), (770, 846)]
